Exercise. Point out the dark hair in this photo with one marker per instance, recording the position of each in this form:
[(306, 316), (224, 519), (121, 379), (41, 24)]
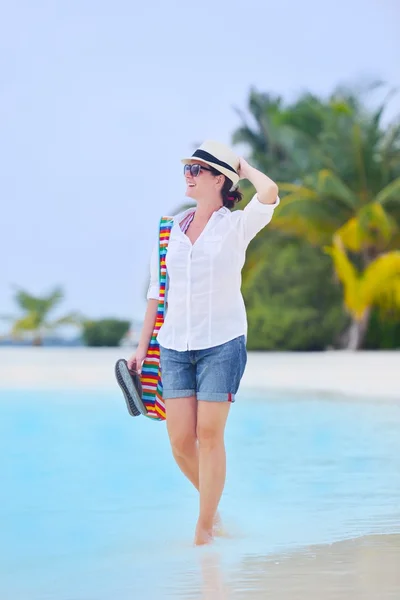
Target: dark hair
[(229, 198)]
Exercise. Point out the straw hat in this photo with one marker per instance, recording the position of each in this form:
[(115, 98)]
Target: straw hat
[(220, 157)]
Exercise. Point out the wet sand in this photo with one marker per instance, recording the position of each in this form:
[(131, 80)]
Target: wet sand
[(366, 568), (368, 374)]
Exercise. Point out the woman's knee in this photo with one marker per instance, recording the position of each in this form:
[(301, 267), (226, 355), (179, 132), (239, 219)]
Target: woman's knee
[(211, 420), (183, 443), (209, 435)]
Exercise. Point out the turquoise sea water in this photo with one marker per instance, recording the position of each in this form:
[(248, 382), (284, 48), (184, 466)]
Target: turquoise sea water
[(92, 505)]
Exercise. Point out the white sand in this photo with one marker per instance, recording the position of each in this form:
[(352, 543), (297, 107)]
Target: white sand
[(368, 374), (365, 568)]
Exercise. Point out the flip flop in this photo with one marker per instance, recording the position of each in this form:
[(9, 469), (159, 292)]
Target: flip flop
[(130, 384)]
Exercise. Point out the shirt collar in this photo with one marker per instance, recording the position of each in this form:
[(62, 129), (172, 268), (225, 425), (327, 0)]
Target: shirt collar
[(180, 216), (223, 210)]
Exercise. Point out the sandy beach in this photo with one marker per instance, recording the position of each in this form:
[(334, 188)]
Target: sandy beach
[(367, 374), (365, 568)]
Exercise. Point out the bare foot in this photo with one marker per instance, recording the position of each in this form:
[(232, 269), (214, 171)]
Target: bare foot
[(203, 536), (218, 528), (217, 525)]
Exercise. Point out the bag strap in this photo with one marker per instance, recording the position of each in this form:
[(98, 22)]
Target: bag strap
[(166, 224)]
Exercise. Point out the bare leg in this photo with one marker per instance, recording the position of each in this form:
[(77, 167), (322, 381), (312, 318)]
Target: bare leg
[(211, 420), (181, 425)]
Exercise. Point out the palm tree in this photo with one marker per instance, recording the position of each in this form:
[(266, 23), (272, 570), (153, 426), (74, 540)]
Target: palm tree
[(348, 184), (356, 199), (35, 317), (281, 140), (267, 135), (356, 184), (378, 285)]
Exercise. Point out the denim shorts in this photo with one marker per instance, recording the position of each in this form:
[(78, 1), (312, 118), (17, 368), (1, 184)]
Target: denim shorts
[(212, 374)]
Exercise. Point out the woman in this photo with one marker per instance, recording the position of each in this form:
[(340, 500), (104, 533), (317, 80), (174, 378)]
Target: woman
[(202, 341)]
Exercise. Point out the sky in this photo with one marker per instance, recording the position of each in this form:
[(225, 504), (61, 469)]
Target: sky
[(99, 101)]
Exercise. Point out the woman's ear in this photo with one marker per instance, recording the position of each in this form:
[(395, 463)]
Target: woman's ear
[(220, 181)]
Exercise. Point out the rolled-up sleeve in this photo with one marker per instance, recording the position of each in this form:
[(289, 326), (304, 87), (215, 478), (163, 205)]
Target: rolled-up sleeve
[(255, 217), (154, 286)]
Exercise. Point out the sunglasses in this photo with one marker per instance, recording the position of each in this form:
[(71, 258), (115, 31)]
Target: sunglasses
[(194, 170)]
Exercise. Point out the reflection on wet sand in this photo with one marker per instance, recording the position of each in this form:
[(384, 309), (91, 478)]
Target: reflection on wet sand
[(213, 582), (366, 568)]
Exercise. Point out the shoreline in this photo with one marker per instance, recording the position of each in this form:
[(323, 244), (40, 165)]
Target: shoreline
[(358, 562), (365, 374), (361, 568)]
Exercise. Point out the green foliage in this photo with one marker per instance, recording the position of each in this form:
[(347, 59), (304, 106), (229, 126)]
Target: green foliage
[(383, 332), (104, 332), (292, 301), (338, 169), (35, 317)]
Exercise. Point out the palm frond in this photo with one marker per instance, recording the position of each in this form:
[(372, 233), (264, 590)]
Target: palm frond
[(377, 285), (54, 298), (41, 305), (316, 232), (298, 192), (329, 184), (25, 300), (73, 318), (381, 278), (372, 227), (349, 277), (30, 322), (390, 194), (308, 202)]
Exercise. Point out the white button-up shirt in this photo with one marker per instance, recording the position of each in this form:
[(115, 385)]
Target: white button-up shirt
[(205, 306)]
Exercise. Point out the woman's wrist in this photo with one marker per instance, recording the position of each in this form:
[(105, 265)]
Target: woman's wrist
[(245, 169), (142, 346)]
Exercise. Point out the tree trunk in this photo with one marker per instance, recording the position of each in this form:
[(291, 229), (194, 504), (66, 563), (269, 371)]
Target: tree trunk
[(37, 340), (357, 331)]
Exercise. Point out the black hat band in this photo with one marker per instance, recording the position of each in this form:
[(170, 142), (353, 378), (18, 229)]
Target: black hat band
[(209, 157)]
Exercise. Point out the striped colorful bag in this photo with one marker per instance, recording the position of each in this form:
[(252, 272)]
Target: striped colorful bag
[(151, 372)]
